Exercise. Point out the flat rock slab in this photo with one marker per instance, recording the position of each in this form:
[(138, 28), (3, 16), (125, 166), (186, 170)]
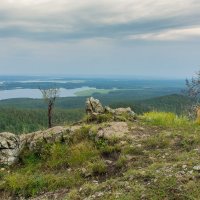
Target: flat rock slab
[(114, 130)]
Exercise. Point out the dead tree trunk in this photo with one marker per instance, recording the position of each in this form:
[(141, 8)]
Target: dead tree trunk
[(50, 96), (50, 106)]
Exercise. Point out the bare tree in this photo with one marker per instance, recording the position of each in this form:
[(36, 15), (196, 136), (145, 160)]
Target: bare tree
[(193, 91), (193, 87), (49, 96)]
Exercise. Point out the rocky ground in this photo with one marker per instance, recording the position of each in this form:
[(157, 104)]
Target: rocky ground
[(106, 156)]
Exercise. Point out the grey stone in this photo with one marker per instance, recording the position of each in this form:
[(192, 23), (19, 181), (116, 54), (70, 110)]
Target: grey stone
[(197, 168), (50, 136), (114, 130), (93, 106), (10, 148)]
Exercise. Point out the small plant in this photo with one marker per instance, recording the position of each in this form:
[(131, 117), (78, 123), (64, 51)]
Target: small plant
[(81, 134), (73, 194), (81, 153), (121, 162), (104, 118), (99, 167), (133, 150), (101, 143), (28, 157), (109, 150), (100, 118), (58, 156)]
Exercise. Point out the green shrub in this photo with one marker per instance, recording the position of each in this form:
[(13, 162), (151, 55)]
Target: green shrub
[(121, 162), (81, 134), (81, 153), (104, 118), (101, 143), (108, 150), (58, 156), (28, 157), (25, 184), (100, 118), (165, 119), (99, 167)]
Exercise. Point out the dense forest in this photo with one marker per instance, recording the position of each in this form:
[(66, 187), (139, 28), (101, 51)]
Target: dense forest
[(28, 115), (18, 121)]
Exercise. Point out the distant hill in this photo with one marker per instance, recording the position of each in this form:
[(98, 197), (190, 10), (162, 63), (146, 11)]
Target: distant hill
[(170, 103), (147, 102)]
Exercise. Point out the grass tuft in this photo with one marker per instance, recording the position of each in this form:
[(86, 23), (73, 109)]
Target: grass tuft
[(165, 119)]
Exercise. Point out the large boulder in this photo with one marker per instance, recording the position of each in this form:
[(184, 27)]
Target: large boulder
[(93, 106), (12, 145), (10, 148), (49, 136)]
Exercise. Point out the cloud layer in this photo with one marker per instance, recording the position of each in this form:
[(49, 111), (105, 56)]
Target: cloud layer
[(116, 37), (85, 19)]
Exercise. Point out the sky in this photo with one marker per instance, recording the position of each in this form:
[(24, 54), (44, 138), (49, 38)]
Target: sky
[(137, 38)]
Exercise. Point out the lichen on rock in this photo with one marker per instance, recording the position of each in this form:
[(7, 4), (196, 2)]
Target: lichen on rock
[(10, 147), (94, 110)]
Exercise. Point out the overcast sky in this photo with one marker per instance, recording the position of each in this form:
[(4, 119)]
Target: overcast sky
[(153, 38)]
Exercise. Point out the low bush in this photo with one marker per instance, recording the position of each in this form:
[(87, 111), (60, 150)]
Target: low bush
[(81, 153), (99, 167), (165, 119)]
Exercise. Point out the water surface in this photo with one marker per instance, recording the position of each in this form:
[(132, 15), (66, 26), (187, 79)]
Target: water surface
[(36, 94)]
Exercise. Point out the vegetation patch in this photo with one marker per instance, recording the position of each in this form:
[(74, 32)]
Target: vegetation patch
[(28, 184), (165, 119), (159, 141), (156, 161), (93, 91)]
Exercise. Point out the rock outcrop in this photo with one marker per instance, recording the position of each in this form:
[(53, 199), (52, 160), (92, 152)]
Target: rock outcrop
[(11, 145), (10, 148), (51, 135), (95, 108)]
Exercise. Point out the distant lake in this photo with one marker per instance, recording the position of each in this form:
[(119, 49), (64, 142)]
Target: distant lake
[(36, 94), (27, 87)]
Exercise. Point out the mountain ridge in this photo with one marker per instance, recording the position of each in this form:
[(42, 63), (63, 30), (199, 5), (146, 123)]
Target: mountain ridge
[(109, 156)]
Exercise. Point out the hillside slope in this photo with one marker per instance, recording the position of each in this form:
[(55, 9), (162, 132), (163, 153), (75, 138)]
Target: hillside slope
[(156, 156)]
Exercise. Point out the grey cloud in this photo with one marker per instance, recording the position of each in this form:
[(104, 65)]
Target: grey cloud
[(88, 31), (94, 20)]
